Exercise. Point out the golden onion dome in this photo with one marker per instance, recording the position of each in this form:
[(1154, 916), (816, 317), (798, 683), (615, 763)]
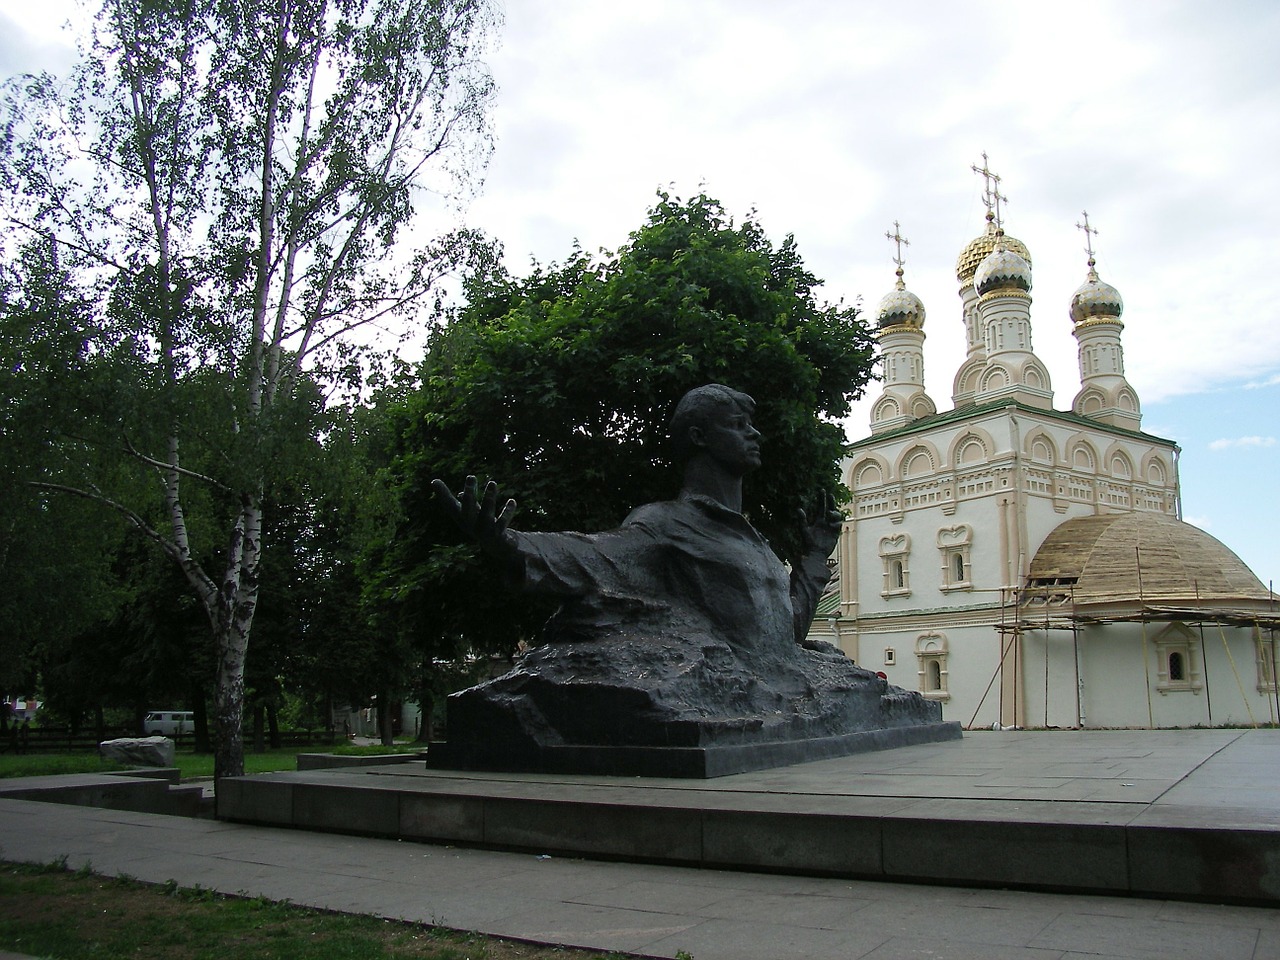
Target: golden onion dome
[(1003, 270), (900, 306), (981, 247), (1095, 300)]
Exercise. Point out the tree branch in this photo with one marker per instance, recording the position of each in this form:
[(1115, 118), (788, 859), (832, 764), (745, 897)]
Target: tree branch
[(194, 574), (87, 251), (162, 465)]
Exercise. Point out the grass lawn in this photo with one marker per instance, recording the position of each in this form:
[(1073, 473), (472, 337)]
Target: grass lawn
[(50, 912), (42, 764), (191, 764), (201, 764)]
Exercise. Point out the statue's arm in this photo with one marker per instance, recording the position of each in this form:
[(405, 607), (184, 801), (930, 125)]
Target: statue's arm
[(555, 564), (810, 573)]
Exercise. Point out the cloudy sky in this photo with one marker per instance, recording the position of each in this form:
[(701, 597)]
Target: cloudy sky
[(834, 118)]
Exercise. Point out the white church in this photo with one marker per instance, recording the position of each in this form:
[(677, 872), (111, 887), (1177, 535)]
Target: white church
[(1027, 566)]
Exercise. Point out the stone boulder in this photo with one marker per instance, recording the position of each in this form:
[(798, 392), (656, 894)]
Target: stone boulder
[(139, 751)]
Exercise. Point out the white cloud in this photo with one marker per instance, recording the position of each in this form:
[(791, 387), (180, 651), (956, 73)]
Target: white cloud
[(834, 119), (1228, 443)]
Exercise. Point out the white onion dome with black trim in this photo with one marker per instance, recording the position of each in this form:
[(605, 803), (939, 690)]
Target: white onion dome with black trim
[(981, 247), (900, 307), (1095, 300), (1003, 271)]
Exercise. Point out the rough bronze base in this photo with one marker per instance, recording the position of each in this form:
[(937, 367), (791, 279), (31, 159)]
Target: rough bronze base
[(630, 708), (683, 762)]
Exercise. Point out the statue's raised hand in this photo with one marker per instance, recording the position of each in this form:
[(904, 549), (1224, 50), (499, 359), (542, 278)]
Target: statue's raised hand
[(821, 536), (478, 516)]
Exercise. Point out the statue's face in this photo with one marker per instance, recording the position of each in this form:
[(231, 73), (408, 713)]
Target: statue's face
[(729, 438)]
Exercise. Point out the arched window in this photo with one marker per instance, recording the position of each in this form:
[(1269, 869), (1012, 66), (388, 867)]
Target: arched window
[(894, 554), (954, 544), (933, 676), (1178, 665), (931, 656)]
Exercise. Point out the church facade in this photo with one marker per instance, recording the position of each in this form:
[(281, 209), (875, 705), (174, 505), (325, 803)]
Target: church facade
[(1028, 566)]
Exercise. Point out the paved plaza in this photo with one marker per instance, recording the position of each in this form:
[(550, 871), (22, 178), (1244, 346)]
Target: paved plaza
[(655, 910)]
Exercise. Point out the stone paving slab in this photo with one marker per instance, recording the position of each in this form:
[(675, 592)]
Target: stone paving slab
[(1190, 813), (646, 910)]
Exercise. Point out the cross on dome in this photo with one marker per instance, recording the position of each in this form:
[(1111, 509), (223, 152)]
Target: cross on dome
[(900, 307), (991, 196), (987, 177), (900, 241), (1089, 234), (1095, 299), (996, 197)]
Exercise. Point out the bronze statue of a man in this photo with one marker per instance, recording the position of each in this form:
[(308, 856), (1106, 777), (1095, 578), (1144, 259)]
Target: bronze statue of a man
[(687, 570), (679, 646)]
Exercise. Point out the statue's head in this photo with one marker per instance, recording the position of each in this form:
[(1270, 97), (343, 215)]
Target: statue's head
[(702, 408)]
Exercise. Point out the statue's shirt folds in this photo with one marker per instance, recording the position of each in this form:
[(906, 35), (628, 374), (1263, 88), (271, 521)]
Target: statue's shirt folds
[(675, 571)]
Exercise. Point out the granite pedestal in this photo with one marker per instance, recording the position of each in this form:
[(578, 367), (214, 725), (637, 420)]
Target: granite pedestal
[(1187, 814)]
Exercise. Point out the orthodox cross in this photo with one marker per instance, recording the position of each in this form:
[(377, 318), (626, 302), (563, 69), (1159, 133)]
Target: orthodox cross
[(1089, 234), (900, 241), (990, 190)]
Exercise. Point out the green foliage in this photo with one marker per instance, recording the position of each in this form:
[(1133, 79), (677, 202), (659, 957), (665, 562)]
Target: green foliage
[(150, 652), (191, 226), (560, 387), (55, 553)]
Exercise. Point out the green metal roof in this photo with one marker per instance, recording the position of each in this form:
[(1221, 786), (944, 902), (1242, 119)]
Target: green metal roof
[(962, 414)]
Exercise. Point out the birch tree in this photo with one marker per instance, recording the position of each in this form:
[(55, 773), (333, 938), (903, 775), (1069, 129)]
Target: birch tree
[(233, 185)]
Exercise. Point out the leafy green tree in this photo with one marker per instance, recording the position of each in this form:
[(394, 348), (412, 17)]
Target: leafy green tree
[(152, 652), (55, 553), (322, 643), (227, 185), (560, 386), (55, 563)]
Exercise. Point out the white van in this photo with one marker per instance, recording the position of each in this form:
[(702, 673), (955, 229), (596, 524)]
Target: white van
[(169, 723)]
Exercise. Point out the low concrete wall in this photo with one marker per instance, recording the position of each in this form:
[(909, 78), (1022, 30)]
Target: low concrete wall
[(154, 790), (1058, 846), (326, 761)]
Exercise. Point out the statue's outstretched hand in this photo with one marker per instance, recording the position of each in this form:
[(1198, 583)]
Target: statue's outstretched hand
[(821, 536), (478, 516)]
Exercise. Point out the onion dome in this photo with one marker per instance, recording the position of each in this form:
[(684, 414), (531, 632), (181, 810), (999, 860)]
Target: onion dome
[(1003, 270), (979, 248), (900, 306), (1095, 299)]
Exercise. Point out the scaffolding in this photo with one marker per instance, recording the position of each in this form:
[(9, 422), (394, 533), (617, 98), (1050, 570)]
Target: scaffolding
[(1051, 606)]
